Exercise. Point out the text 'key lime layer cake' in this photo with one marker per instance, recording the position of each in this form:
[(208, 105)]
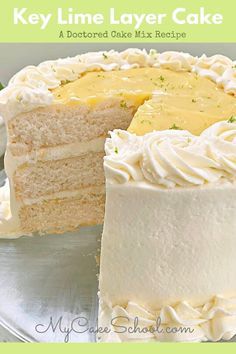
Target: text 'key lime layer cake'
[(168, 266), (58, 114)]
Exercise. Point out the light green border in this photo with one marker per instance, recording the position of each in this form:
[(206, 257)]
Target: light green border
[(138, 348), (195, 33)]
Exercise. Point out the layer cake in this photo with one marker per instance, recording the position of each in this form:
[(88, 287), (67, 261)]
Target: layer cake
[(58, 114)]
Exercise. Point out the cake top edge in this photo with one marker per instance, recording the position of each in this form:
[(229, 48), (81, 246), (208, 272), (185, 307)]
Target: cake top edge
[(31, 87), (172, 158)]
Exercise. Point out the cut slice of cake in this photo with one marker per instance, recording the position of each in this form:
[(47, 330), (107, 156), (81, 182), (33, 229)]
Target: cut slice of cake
[(58, 114)]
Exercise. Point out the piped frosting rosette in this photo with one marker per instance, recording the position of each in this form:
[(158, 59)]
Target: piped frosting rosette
[(172, 158), (212, 321)]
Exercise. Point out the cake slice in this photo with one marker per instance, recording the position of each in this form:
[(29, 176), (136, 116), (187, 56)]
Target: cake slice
[(58, 114)]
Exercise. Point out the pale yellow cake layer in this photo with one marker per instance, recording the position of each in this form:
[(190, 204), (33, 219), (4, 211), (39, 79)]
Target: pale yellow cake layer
[(54, 176), (65, 214), (61, 124)]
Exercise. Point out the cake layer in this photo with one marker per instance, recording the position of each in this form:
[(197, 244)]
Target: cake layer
[(54, 176), (62, 124), (168, 245), (64, 214)]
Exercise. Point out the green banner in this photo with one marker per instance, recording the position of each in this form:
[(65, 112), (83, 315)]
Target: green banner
[(155, 348), (117, 21)]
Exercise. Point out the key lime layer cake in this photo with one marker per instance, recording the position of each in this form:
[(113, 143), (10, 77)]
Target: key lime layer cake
[(58, 114), (168, 265)]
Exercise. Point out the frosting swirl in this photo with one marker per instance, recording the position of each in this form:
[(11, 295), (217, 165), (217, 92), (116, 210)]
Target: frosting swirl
[(173, 157), (176, 61), (213, 321)]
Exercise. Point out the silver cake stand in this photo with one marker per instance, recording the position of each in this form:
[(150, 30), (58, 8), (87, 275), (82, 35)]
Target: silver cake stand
[(48, 287), (48, 282)]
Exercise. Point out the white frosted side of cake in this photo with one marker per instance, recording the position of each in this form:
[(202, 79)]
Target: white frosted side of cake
[(164, 247), (182, 240), (168, 245)]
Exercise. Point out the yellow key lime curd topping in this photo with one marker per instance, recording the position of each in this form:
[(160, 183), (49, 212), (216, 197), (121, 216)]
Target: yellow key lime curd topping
[(177, 100)]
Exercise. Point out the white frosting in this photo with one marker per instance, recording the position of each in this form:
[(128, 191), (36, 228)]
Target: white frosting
[(5, 211), (30, 88), (212, 67), (168, 246), (173, 157), (176, 61), (9, 221), (58, 152), (213, 321)]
